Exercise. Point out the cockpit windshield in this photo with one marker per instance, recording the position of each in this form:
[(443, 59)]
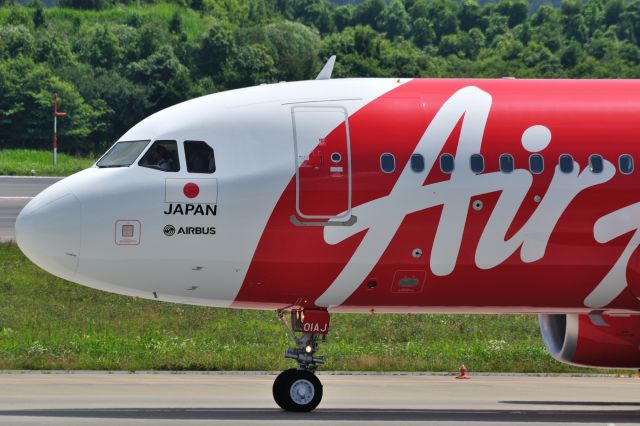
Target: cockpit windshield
[(122, 154)]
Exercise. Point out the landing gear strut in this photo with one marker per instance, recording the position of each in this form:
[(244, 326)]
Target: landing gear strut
[(298, 389)]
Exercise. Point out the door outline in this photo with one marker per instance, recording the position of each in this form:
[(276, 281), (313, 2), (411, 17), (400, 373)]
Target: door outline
[(350, 220)]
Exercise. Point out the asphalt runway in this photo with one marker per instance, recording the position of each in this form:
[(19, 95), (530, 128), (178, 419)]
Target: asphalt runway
[(222, 398), (15, 193)]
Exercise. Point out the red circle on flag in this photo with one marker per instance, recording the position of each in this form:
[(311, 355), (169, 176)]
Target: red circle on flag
[(191, 190)]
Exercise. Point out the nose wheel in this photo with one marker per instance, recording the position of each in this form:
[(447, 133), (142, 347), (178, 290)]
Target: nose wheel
[(297, 390)]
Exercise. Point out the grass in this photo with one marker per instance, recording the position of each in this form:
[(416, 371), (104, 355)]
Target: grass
[(21, 162), (48, 323)]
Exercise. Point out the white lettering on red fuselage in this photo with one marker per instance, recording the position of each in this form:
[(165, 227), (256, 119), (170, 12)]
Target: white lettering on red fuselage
[(314, 328), (381, 218)]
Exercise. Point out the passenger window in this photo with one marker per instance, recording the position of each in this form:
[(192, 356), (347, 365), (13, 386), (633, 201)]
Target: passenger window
[(163, 155), (446, 163), (477, 163), (417, 163), (566, 163), (625, 164), (199, 156), (387, 163), (536, 164), (595, 163), (506, 163)]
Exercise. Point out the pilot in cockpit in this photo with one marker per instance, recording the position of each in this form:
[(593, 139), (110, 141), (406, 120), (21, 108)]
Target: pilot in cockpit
[(160, 158)]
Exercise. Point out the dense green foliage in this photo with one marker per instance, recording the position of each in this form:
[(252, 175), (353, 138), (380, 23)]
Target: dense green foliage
[(48, 323), (116, 61)]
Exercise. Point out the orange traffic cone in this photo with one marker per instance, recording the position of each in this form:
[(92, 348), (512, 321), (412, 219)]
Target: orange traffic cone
[(463, 373)]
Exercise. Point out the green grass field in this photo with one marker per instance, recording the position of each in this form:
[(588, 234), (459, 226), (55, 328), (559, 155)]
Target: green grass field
[(20, 162), (48, 323)]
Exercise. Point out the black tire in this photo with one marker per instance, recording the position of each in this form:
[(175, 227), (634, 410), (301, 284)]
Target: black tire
[(297, 390)]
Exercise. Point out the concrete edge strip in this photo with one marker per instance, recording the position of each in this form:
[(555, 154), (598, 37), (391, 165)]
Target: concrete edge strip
[(321, 373)]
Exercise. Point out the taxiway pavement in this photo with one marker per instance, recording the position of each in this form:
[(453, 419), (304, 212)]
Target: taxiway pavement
[(15, 193), (222, 398)]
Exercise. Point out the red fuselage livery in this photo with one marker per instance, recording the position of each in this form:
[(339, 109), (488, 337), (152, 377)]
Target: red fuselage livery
[(293, 263)]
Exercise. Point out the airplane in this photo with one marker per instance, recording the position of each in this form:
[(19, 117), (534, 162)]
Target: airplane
[(370, 195)]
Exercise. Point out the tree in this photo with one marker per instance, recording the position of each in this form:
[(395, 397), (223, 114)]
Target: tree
[(394, 19), (602, 46), (423, 32), (443, 15), (469, 15), (573, 20), (25, 106), (343, 17), (545, 15), (127, 101), (571, 55), (53, 50), (612, 11), (101, 47), (495, 24), (84, 4), (148, 40), (367, 41), (593, 13), (368, 12), (294, 48), (175, 24), (16, 40), (197, 5), (165, 78), (516, 11), (419, 9), (402, 58), (251, 65), (547, 28), (38, 15), (341, 44), (539, 60), (214, 47), (463, 44)]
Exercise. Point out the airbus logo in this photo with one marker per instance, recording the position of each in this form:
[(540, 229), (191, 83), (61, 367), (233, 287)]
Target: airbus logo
[(170, 230)]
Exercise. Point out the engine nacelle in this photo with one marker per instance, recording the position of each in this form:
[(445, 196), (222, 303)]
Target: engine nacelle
[(609, 342)]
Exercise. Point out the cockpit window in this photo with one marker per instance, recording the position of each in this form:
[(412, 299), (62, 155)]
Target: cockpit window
[(122, 154), (200, 158), (163, 155)]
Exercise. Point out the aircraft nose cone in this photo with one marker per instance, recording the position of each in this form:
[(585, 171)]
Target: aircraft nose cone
[(48, 231)]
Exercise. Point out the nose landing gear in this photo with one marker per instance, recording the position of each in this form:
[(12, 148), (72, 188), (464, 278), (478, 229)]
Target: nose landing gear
[(298, 389)]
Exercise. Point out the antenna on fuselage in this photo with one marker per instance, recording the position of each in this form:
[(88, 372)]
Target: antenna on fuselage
[(325, 72)]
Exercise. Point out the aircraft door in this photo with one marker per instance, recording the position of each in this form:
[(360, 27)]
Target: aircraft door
[(323, 165)]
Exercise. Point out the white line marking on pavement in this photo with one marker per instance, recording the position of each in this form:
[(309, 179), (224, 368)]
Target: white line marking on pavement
[(16, 198)]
